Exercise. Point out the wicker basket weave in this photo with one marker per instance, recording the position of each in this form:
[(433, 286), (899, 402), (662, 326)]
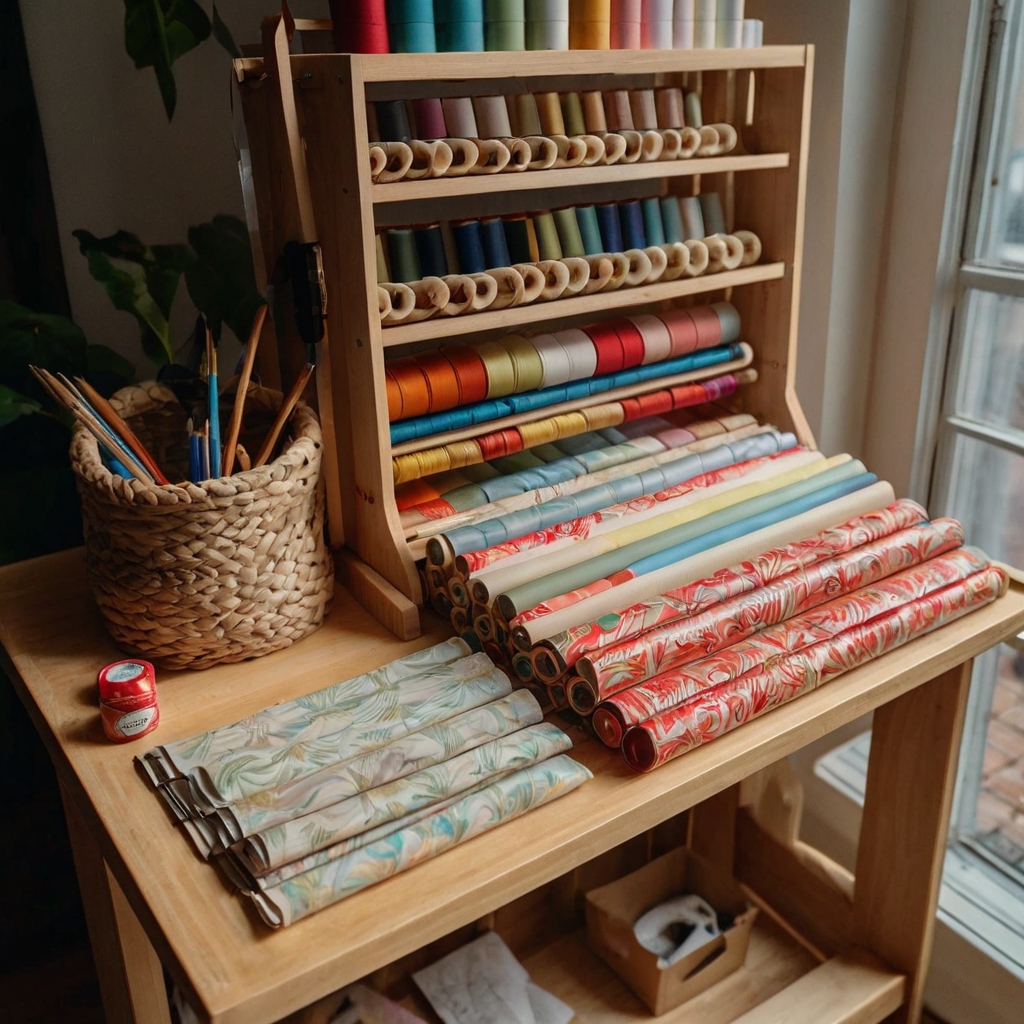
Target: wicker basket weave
[(194, 575)]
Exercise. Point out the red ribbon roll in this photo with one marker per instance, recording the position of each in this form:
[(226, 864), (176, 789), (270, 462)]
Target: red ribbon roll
[(632, 341), (610, 354), (681, 329), (470, 372), (709, 327)]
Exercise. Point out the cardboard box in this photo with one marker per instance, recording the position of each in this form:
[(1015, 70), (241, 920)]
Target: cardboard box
[(613, 909)]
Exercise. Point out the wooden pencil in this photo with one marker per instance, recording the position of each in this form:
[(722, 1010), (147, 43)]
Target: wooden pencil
[(235, 426)]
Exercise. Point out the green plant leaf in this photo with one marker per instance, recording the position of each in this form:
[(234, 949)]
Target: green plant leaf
[(13, 405), (158, 32), (46, 340), (223, 34), (141, 280), (221, 280)]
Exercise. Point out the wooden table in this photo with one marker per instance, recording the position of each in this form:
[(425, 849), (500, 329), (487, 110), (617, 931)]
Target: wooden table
[(150, 901)]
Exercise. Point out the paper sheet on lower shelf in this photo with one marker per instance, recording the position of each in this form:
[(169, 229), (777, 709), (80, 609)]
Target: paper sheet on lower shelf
[(483, 983)]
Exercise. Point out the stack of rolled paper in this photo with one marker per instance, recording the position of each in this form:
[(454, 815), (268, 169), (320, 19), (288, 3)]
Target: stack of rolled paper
[(312, 800)]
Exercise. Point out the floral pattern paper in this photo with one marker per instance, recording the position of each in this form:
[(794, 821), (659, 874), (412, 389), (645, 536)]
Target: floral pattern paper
[(714, 712), (503, 801)]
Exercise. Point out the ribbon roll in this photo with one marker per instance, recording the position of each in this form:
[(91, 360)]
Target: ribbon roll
[(657, 340), (533, 281), (698, 257), (581, 352), (556, 367), (526, 362), (492, 117), (501, 374), (751, 247)]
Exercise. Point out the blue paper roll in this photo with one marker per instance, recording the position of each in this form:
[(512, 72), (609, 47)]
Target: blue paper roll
[(611, 229), (413, 37), (458, 10), (430, 249), (460, 36), (672, 219), (654, 228), (492, 236), (631, 219), (469, 247), (404, 11)]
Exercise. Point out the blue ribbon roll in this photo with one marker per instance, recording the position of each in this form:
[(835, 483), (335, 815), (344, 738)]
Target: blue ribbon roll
[(469, 247)]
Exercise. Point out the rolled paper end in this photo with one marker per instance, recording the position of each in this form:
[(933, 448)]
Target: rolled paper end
[(465, 154), (459, 619), (403, 302), (659, 262), (508, 609), (673, 143), (509, 287), (734, 257), (438, 550), (718, 250), (548, 666), (462, 294), (651, 146), (751, 247), (523, 667), (543, 152), (614, 148), (709, 141), (378, 160), (422, 159), (479, 590), (533, 284), (677, 258), (441, 158), (556, 279), (638, 749), (486, 291), (621, 265), (458, 593), (639, 267), (690, 142), (520, 154), (699, 257), (634, 146), (432, 296), (601, 269), (607, 726), (727, 138), (494, 156), (571, 151), (595, 150), (398, 157), (581, 695), (383, 302), (579, 274)]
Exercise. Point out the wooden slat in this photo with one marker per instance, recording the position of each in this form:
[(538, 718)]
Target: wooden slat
[(915, 743), (580, 305), (853, 988), (240, 971), (809, 902), (571, 177), (713, 828)]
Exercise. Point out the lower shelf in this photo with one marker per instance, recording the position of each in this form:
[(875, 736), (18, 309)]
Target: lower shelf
[(780, 983)]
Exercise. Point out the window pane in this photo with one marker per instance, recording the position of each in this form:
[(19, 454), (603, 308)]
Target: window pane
[(991, 385)]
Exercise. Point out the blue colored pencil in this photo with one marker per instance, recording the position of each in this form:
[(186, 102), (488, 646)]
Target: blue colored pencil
[(214, 404), (194, 467)]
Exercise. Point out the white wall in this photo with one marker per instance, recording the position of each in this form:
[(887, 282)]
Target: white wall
[(114, 160)]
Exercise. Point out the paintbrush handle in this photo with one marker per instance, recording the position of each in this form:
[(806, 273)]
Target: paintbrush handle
[(287, 408), (242, 390)]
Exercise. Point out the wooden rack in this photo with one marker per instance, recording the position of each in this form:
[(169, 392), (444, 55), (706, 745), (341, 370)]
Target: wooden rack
[(765, 93)]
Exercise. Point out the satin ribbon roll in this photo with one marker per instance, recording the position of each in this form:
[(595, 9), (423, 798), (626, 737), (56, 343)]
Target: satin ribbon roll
[(640, 267), (547, 35), (671, 219), (492, 117), (710, 140), (579, 274), (698, 257), (611, 357), (379, 160), (492, 239), (403, 302), (731, 259), (712, 213), (501, 374), (659, 263), (494, 156), (677, 257), (359, 28), (569, 237), (462, 295), (470, 371), (383, 302), (526, 362), (465, 156), (610, 225), (460, 117), (398, 157), (657, 340), (544, 152), (693, 218), (556, 279), (533, 281), (487, 288), (751, 247), (555, 363), (602, 269), (580, 350), (469, 245)]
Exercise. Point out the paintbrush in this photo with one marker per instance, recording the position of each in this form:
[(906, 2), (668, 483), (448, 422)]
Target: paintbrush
[(287, 407), (213, 403), (240, 392)]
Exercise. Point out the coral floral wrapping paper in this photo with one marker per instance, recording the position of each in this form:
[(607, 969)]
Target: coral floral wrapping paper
[(574, 643), (714, 712)]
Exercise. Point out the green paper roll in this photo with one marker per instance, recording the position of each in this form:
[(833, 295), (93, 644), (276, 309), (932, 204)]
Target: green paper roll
[(672, 219), (654, 229), (547, 236), (572, 113), (691, 107), (505, 35), (712, 212), (569, 232), (590, 231)]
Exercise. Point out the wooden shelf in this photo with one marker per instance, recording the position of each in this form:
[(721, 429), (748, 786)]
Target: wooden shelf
[(570, 177), (581, 305), (657, 384)]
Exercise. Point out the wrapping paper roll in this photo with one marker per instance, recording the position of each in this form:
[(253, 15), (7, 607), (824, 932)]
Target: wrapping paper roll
[(670, 647), (494, 157), (725, 252), (432, 295), (429, 159), (397, 157), (677, 260), (579, 274), (604, 273), (727, 138), (465, 156), (461, 294), (720, 709), (556, 279), (631, 605), (659, 263), (383, 302), (571, 151), (640, 267), (520, 154), (504, 800)]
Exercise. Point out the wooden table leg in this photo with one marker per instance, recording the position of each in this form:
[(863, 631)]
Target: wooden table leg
[(915, 742), (130, 975)]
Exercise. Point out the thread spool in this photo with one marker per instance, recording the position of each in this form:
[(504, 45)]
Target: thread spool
[(693, 217), (712, 213), (594, 118), (704, 35), (549, 113), (617, 110), (729, 35), (469, 245), (624, 35), (590, 230), (402, 300), (643, 108), (682, 34), (526, 115), (656, 24), (610, 226), (533, 281), (668, 106), (631, 222), (492, 240), (751, 247), (392, 121), (692, 110), (403, 260), (504, 35), (589, 35), (460, 116), (569, 237), (517, 239), (412, 37), (698, 257), (654, 229), (572, 114), (492, 117)]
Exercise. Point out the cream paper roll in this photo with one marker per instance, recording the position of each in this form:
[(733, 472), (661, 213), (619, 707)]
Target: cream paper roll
[(432, 295), (751, 247), (465, 156), (657, 340), (383, 302), (544, 152), (602, 269), (403, 302), (659, 262), (698, 257), (639, 267), (634, 146), (429, 159), (689, 570), (709, 140), (677, 260), (579, 274), (556, 279), (494, 157), (727, 138), (461, 294), (520, 154), (378, 160), (614, 148), (595, 150), (725, 252), (509, 287), (690, 142), (672, 140), (572, 151), (486, 290), (651, 146), (533, 281), (398, 160)]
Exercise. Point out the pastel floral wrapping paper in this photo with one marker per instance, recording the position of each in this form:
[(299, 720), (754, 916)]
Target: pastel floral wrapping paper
[(682, 641), (310, 833), (582, 527), (793, 634), (503, 801), (712, 713), (395, 760), (338, 731), (572, 644)]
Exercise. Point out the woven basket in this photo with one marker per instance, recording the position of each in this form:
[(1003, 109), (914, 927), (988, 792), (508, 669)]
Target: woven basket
[(194, 575)]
